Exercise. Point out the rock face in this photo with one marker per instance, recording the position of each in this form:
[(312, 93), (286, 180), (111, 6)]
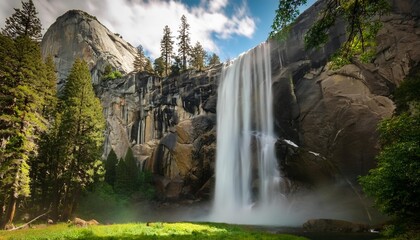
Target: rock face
[(334, 113), (329, 115), (77, 34), (170, 125)]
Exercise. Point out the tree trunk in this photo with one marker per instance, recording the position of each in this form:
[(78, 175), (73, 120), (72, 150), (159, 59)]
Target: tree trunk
[(10, 212)]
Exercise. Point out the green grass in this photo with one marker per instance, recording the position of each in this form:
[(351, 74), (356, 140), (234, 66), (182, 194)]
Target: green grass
[(142, 231)]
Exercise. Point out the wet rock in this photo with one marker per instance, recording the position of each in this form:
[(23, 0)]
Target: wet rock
[(333, 225)]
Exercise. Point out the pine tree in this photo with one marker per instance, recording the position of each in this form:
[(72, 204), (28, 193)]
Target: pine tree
[(81, 134), (149, 68), (213, 59), (140, 60), (51, 88), (23, 87), (184, 42), (198, 54), (159, 66), (132, 170), (111, 167), (122, 180), (24, 22), (166, 49)]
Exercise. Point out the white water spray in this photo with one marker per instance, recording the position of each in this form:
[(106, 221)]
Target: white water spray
[(247, 173)]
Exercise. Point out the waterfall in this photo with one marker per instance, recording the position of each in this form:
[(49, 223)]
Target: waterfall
[(247, 173)]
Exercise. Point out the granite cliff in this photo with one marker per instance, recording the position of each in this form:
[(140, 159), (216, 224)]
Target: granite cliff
[(77, 34), (330, 115)]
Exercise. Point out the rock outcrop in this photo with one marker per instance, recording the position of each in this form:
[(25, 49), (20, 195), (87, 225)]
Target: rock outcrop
[(77, 34), (334, 113)]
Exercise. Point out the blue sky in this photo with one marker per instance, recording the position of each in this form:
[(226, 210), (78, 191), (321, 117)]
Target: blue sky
[(226, 27)]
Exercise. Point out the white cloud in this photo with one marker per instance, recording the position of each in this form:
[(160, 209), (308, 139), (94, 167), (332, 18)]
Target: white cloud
[(142, 21)]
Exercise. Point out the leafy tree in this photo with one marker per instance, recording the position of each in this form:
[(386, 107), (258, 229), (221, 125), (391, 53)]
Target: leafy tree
[(395, 182), (409, 91), (159, 66), (184, 42), (81, 135), (198, 55), (111, 168), (140, 60), (24, 22), (360, 16), (213, 59), (166, 49), (23, 91)]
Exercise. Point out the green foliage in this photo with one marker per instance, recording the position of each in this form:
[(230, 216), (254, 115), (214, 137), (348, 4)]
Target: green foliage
[(159, 66), (93, 203), (122, 181), (140, 60), (155, 230), (213, 59), (127, 179), (111, 168), (409, 91), (360, 16), (176, 67), (69, 160), (146, 185), (23, 22), (166, 49), (132, 170), (286, 13), (184, 42), (395, 183), (149, 68), (24, 94), (198, 55), (112, 75)]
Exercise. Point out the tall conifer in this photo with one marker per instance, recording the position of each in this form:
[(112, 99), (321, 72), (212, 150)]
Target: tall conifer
[(24, 22), (166, 49), (80, 133), (184, 42)]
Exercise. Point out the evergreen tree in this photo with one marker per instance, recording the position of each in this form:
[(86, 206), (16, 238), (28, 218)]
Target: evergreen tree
[(159, 66), (213, 59), (111, 168), (198, 55), (149, 68), (51, 88), (140, 60), (24, 22), (80, 135), (184, 42), (132, 170), (176, 66), (122, 181), (23, 88), (166, 49)]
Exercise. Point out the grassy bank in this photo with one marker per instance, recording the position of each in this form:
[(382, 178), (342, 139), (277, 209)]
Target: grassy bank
[(142, 231)]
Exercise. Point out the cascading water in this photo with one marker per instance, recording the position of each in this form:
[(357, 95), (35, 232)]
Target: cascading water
[(247, 175)]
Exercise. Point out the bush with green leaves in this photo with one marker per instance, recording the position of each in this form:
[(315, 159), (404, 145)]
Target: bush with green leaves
[(395, 182)]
